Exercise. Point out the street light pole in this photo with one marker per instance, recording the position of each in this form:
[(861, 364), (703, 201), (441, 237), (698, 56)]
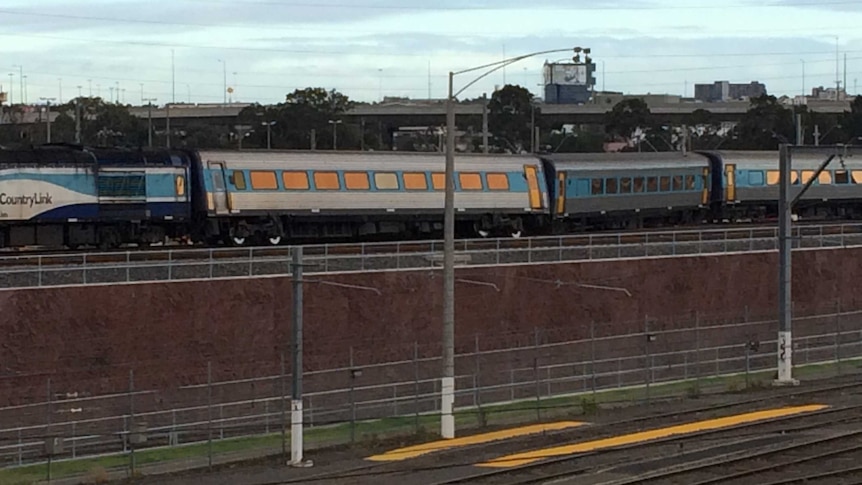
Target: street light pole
[(150, 121), (335, 124), (48, 116), (447, 398), (268, 125)]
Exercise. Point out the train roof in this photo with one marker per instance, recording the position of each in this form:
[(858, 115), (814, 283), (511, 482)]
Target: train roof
[(77, 155), (365, 160), (626, 160), (769, 160)]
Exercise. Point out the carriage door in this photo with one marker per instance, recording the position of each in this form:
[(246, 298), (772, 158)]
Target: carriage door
[(730, 172), (535, 192), (561, 193), (219, 194)]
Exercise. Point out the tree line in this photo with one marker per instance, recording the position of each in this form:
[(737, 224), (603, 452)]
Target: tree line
[(315, 118)]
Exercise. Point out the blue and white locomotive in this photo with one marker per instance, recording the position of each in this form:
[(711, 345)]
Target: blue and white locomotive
[(62, 195)]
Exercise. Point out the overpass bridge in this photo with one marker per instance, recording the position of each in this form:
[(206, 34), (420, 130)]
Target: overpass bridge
[(668, 109)]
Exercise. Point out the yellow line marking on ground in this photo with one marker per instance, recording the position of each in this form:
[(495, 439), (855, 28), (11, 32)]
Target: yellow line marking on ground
[(425, 448), (712, 424)]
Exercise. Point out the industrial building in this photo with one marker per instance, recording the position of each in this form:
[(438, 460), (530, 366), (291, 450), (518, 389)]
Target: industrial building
[(726, 91)]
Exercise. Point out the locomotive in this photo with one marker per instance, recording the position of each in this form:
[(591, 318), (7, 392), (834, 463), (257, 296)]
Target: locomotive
[(73, 196)]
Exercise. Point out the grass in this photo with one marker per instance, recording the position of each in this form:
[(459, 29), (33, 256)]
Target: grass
[(368, 432)]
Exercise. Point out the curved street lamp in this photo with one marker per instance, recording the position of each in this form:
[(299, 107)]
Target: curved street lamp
[(447, 419)]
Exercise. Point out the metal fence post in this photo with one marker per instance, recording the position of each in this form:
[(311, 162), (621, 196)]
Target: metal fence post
[(209, 414), (536, 375), (48, 427), (283, 409), (648, 365), (477, 393), (697, 349), (747, 365), (593, 355), (838, 336), (352, 401), (416, 386), (131, 426)]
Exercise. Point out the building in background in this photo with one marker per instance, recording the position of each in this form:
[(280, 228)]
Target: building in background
[(571, 82), (726, 91)]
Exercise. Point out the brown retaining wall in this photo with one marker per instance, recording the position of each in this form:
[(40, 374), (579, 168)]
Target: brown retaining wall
[(87, 339)]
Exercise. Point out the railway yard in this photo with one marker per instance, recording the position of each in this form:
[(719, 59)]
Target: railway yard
[(772, 435)]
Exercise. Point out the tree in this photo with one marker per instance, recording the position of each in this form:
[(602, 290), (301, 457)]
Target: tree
[(627, 117), (304, 110), (510, 114), (765, 125)]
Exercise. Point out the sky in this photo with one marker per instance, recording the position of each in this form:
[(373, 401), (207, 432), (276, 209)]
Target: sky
[(189, 50)]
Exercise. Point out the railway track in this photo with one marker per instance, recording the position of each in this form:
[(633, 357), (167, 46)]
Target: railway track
[(731, 444), (463, 459)]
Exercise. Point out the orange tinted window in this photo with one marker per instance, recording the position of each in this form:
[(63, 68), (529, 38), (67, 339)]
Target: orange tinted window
[(263, 180), (295, 180), (857, 176), (807, 175), (326, 181), (773, 177), (415, 181), (825, 178), (356, 181), (439, 181), (470, 181), (497, 181)]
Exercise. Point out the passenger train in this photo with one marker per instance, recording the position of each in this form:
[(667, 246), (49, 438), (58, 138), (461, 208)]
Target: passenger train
[(72, 196)]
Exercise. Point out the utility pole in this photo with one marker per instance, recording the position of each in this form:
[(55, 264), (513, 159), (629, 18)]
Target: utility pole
[(532, 126), (149, 102), (799, 134), (296, 425), (817, 135), (786, 203)]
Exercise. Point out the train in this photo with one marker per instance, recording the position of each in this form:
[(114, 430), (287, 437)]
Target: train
[(72, 196)]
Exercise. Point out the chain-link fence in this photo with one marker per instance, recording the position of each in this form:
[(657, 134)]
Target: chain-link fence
[(501, 378)]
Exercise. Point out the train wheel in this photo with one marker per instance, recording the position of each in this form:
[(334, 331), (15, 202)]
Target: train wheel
[(238, 241), (517, 234), (274, 240)]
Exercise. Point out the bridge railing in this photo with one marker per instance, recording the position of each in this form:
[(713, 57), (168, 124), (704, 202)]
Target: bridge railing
[(183, 264)]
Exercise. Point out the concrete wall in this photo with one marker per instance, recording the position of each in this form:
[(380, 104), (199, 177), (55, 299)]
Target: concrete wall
[(88, 339)]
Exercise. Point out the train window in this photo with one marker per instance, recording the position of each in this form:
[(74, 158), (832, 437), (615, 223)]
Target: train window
[(652, 184), (238, 180), (610, 186), (415, 181), (598, 187), (438, 180), (755, 178), (356, 181), (842, 177), (386, 181), (857, 176), (263, 180), (689, 182), (497, 181), (807, 175), (638, 184), (677, 183), (625, 185), (295, 180), (470, 181), (665, 184), (825, 178), (326, 181), (180, 185), (773, 177)]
